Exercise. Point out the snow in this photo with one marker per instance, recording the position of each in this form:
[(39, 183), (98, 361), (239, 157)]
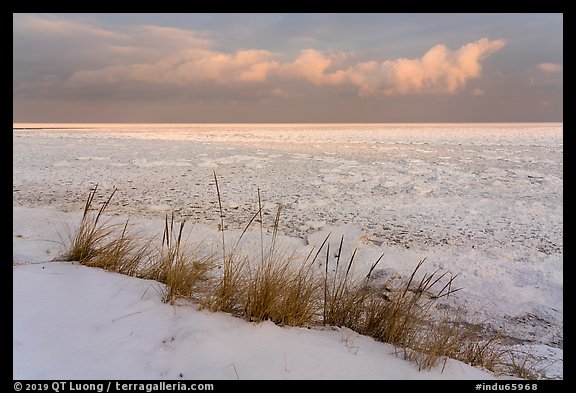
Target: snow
[(74, 322), (484, 201)]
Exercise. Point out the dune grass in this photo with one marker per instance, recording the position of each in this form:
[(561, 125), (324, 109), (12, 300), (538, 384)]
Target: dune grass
[(122, 253), (183, 269), (274, 284), (92, 235)]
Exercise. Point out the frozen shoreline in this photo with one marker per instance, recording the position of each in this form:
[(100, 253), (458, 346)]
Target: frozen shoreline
[(485, 203)]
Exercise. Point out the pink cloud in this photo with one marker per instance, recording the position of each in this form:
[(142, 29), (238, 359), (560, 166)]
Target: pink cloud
[(310, 65), (550, 68), (187, 67), (439, 70)]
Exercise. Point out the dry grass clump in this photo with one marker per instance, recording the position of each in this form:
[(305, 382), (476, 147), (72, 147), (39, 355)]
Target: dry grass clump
[(122, 253), (405, 315), (108, 245), (229, 289), (344, 299), (92, 234), (184, 271), (277, 289), (274, 284), (448, 337), (299, 304), (231, 285), (521, 364), (282, 289), (265, 290), (397, 315), (99, 242), (401, 315)]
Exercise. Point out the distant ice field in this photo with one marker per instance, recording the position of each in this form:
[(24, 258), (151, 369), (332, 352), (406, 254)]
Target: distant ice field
[(459, 185)]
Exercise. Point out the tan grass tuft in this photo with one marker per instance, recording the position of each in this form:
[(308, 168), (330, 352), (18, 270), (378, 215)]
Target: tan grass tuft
[(92, 234), (123, 253), (184, 270)]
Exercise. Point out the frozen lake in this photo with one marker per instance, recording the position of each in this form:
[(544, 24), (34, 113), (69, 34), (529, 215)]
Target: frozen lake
[(481, 200)]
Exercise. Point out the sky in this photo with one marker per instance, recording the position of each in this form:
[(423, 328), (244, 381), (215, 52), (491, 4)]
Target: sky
[(287, 68)]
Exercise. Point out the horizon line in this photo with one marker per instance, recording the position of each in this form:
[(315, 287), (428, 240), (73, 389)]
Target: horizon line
[(22, 125)]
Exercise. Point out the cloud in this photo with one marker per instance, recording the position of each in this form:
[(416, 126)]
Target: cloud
[(81, 43), (550, 68), (188, 67), (62, 28), (477, 92), (312, 65), (439, 70), (167, 56), (151, 36)]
